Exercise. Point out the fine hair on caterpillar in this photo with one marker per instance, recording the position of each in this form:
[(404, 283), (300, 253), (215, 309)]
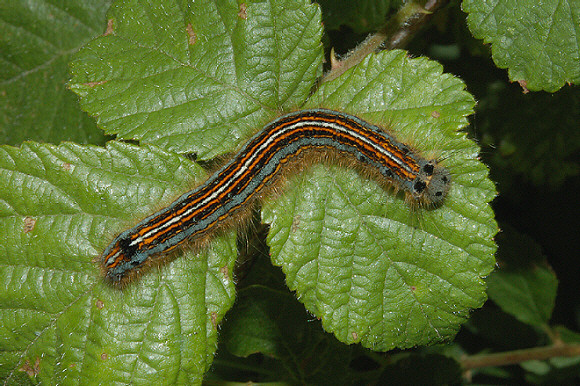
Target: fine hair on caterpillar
[(258, 170)]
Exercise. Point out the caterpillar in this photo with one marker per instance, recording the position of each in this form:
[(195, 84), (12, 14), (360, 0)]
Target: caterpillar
[(230, 192)]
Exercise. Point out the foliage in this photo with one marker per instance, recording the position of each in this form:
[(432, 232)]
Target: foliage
[(370, 275), (539, 43)]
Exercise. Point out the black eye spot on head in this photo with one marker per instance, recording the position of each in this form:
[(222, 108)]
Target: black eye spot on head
[(419, 186), (428, 169), (445, 179)]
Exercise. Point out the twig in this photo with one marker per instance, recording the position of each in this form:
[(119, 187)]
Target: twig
[(396, 33), (518, 356)]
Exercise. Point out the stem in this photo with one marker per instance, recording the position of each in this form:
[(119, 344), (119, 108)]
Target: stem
[(396, 33), (518, 356), (410, 26)]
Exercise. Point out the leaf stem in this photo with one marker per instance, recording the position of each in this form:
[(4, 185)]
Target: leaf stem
[(396, 33), (518, 356)]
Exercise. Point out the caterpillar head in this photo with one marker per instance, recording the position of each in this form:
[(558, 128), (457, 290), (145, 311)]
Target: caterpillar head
[(431, 185)]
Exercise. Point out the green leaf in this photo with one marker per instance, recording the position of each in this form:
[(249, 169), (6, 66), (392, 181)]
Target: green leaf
[(199, 79), (60, 206), (375, 271), (567, 335), (37, 39), (537, 41), (525, 286)]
